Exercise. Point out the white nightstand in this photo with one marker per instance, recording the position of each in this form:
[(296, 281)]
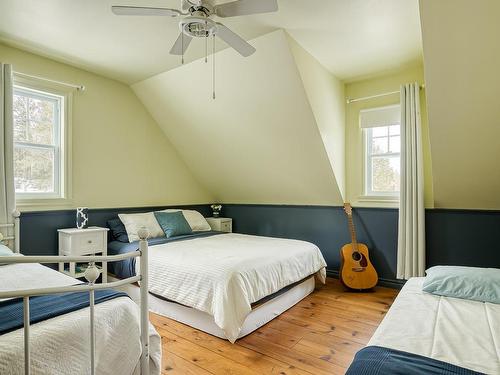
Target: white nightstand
[(89, 241), (221, 224)]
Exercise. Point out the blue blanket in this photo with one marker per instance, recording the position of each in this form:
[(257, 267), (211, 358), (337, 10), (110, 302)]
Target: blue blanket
[(49, 306), (375, 360), (126, 268)]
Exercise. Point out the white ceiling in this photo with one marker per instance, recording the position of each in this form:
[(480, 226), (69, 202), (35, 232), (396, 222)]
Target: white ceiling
[(351, 38)]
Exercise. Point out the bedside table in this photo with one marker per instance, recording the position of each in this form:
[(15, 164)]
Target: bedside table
[(89, 241), (221, 224)]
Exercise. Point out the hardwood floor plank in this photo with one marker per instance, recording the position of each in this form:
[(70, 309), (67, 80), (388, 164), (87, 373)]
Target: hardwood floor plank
[(319, 335), (236, 353), (326, 313), (175, 365), (277, 337), (346, 329), (326, 354), (301, 360), (352, 302), (204, 358), (336, 343)]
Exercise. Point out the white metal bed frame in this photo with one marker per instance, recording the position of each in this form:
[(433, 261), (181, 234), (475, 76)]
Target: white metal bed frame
[(91, 274)]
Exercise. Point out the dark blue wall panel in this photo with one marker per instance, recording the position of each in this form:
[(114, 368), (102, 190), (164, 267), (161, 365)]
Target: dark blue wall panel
[(463, 237), (453, 237), (39, 229)]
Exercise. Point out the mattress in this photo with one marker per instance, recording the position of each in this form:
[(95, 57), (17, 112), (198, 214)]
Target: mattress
[(461, 332), (223, 275), (61, 345)]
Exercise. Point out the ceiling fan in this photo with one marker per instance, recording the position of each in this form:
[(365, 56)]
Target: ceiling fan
[(198, 22)]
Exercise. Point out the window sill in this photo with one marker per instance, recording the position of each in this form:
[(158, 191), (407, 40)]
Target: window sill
[(378, 201), (43, 204)]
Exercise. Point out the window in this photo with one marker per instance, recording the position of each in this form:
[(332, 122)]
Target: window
[(39, 143), (381, 129)]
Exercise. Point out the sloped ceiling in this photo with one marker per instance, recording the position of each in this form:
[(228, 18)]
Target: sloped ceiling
[(462, 60), (363, 36), (258, 142)]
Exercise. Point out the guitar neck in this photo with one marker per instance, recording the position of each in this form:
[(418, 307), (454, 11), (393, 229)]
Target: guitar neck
[(354, 241)]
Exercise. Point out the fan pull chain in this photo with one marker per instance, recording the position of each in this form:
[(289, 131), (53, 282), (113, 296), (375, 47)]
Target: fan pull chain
[(206, 43), (213, 72), (182, 47)]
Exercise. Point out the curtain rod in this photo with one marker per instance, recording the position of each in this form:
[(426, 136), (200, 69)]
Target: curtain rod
[(376, 96), (77, 87)]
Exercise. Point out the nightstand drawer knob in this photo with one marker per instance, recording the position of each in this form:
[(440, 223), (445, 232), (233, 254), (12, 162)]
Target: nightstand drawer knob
[(89, 241)]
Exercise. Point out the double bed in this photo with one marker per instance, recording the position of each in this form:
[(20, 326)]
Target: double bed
[(424, 333), (226, 284)]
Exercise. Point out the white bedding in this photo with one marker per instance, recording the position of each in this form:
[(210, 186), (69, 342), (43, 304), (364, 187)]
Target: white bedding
[(224, 274), (61, 345), (462, 332)]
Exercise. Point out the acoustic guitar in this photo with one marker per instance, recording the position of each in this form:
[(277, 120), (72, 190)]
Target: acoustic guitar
[(356, 270)]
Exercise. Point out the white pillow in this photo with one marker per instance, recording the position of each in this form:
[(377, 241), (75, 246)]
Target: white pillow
[(4, 252), (134, 222), (195, 220)]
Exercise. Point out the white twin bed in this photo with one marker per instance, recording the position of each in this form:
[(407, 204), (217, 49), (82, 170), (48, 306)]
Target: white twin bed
[(111, 336), (61, 345), (461, 332)]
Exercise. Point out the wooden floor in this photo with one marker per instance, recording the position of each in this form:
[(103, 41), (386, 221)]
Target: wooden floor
[(319, 335)]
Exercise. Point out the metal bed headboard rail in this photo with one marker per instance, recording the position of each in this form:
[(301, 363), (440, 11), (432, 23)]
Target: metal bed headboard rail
[(15, 225), (91, 274)]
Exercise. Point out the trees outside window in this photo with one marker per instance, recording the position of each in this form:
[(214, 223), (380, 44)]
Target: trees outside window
[(38, 143), (382, 160)]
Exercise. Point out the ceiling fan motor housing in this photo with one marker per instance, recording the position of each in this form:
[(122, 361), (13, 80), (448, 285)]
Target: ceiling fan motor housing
[(197, 26)]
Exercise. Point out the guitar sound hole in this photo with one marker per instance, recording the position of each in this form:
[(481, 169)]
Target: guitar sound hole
[(356, 256)]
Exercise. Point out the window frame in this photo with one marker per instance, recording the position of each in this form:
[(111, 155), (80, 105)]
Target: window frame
[(368, 156), (62, 151)]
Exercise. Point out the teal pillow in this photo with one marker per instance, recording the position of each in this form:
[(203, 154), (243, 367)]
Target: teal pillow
[(173, 223), (474, 283)]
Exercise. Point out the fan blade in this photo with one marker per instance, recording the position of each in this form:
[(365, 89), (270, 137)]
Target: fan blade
[(144, 11), (181, 44), (246, 7), (234, 40)]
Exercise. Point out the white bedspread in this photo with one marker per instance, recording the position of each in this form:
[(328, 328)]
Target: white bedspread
[(462, 332), (224, 274), (61, 345)]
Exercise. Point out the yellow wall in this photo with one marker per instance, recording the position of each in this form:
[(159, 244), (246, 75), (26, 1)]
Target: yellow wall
[(462, 61), (120, 156), (259, 141), (354, 138), (326, 96)]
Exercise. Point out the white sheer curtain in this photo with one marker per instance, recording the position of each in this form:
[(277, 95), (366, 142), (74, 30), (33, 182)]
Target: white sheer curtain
[(7, 194), (411, 232)]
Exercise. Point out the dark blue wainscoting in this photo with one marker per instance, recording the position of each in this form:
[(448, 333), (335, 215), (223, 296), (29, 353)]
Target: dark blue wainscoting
[(463, 237), (39, 229), (453, 237)]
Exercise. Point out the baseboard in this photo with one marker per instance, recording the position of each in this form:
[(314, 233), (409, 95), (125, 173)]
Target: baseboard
[(388, 283)]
